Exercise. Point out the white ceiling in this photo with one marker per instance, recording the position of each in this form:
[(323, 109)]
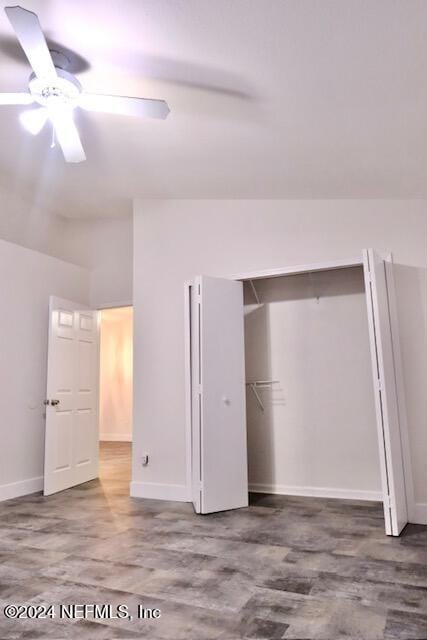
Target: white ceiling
[(268, 98)]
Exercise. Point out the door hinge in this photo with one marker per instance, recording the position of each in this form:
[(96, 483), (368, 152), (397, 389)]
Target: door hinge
[(387, 502), (379, 385), (200, 485), (199, 389)]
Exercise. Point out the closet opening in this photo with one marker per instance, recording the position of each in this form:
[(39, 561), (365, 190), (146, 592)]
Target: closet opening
[(310, 410)]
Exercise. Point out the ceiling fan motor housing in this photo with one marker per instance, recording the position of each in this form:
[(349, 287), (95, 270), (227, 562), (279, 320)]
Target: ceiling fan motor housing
[(63, 90)]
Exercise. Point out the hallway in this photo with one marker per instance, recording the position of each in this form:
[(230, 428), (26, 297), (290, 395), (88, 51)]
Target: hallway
[(115, 460), (286, 567)]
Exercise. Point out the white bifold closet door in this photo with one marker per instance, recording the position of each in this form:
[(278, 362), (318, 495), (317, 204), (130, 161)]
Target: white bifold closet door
[(385, 390), (218, 415), (219, 449), (71, 441)]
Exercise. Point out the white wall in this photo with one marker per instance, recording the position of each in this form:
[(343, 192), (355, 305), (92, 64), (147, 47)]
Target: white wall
[(105, 247), (317, 434), (176, 239), (115, 379), (27, 279), (24, 223)]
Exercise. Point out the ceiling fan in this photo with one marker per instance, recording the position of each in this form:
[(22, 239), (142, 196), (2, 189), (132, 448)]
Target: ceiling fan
[(58, 92)]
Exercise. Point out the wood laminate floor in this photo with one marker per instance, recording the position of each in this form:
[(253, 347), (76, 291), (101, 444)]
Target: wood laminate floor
[(285, 567)]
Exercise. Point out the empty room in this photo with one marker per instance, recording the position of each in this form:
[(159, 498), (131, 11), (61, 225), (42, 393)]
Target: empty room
[(213, 268)]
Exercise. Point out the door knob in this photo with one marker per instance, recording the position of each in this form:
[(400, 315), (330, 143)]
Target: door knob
[(54, 402)]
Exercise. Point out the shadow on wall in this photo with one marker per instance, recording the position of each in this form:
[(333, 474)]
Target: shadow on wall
[(411, 294)]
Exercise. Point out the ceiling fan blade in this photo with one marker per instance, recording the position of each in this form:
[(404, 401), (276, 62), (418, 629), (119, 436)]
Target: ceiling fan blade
[(122, 105), (31, 38), (67, 134), (16, 98)]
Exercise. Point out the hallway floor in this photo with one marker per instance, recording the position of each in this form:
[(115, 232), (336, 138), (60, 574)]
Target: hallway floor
[(283, 568)]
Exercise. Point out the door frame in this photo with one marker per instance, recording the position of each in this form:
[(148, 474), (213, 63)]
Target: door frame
[(54, 301), (113, 305), (295, 270)]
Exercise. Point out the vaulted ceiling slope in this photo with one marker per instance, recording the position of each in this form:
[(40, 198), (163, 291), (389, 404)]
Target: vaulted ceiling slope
[(268, 98)]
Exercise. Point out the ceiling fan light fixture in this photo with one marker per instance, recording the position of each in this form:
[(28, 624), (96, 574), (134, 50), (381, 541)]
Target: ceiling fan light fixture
[(33, 120)]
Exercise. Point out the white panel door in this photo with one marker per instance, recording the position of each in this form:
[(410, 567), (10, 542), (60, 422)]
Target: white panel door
[(386, 399), (219, 449), (71, 440)]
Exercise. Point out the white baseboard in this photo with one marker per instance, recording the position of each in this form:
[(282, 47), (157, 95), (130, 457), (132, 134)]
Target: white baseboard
[(21, 488), (317, 492), (419, 513), (157, 491), (115, 437)]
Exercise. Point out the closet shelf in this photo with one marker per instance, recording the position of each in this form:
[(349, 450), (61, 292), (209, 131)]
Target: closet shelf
[(260, 384)]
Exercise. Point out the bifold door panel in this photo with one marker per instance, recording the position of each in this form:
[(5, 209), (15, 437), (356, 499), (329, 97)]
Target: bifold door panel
[(219, 456), (385, 389), (195, 397), (71, 443)]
